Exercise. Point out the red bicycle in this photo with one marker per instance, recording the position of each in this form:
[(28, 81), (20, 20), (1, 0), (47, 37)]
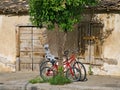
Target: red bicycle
[(72, 73), (75, 62)]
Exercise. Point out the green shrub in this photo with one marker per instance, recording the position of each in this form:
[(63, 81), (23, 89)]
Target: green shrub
[(59, 79), (37, 80), (90, 72)]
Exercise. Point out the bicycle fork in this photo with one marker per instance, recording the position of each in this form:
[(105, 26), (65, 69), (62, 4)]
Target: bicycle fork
[(71, 71)]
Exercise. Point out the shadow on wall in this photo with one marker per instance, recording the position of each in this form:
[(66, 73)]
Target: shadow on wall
[(60, 41)]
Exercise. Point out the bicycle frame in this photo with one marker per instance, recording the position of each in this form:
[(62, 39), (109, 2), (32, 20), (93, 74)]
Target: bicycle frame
[(67, 64), (53, 70)]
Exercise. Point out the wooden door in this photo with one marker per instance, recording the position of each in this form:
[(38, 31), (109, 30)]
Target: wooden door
[(89, 40), (30, 47)]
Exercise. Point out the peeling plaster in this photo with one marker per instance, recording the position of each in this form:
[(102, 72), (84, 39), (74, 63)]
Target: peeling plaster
[(111, 45), (6, 58)]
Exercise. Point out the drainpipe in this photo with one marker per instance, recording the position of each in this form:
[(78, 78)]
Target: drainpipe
[(89, 42), (17, 49)]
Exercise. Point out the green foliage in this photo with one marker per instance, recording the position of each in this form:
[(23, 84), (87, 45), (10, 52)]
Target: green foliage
[(59, 79), (64, 13), (37, 80), (90, 72)]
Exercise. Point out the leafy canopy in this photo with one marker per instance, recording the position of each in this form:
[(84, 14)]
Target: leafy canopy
[(64, 13)]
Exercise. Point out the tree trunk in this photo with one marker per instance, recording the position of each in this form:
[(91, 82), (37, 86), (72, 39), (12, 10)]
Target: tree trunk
[(61, 45), (57, 41), (61, 40)]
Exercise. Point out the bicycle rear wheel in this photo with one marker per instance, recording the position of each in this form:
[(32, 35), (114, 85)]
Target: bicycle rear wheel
[(81, 67), (73, 74), (46, 73)]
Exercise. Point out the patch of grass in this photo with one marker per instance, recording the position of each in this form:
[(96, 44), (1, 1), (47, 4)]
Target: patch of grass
[(59, 79), (37, 80)]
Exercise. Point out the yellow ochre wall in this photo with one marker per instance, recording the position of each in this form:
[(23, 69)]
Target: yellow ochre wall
[(8, 40)]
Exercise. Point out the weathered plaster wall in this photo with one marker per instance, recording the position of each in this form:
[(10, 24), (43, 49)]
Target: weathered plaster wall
[(111, 45), (110, 48), (0, 22), (8, 38)]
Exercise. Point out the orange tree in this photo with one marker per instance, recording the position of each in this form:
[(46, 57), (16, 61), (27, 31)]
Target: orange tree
[(61, 13), (64, 13)]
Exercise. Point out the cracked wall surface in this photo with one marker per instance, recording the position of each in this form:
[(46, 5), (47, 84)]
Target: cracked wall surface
[(110, 48)]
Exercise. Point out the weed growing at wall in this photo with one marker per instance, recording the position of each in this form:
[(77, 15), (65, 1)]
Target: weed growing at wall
[(58, 79), (37, 80)]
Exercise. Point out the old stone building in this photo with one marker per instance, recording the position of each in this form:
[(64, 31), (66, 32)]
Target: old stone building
[(97, 36)]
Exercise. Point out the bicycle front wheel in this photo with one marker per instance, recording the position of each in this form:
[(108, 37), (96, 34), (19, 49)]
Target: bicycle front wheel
[(81, 67), (73, 74), (45, 63), (46, 73)]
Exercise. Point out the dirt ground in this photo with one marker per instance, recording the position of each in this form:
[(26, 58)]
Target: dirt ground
[(92, 83)]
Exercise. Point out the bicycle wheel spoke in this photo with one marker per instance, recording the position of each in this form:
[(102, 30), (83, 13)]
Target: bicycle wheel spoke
[(45, 63), (46, 73), (73, 74)]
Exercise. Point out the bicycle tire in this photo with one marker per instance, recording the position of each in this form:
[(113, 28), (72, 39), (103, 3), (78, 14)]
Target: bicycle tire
[(81, 67), (45, 63), (77, 74), (46, 73)]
